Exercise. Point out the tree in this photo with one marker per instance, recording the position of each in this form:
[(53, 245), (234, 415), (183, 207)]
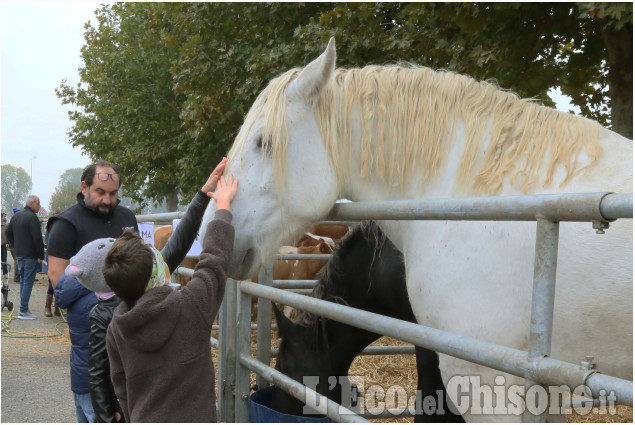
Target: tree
[(137, 104), (616, 29), (223, 66), (586, 49), (72, 175), (583, 48), (65, 194), (165, 86), (16, 185), (126, 110)]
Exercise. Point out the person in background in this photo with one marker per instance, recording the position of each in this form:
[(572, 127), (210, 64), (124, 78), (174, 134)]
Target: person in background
[(86, 267), (16, 272), (78, 302), (25, 235), (5, 270), (49, 293), (97, 214)]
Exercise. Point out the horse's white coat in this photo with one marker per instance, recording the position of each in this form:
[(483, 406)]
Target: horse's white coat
[(469, 278)]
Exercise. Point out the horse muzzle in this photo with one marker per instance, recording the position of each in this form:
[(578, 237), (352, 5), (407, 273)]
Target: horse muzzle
[(244, 264)]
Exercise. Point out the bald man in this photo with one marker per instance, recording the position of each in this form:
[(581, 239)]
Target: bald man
[(24, 233)]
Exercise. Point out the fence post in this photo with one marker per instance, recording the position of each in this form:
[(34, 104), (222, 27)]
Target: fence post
[(229, 384), (263, 340), (542, 302), (243, 344), (222, 360)]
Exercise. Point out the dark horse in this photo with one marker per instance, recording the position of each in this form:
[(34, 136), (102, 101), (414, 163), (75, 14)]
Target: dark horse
[(366, 272)]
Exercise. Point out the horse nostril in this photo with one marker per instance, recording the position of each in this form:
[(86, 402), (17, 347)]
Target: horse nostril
[(248, 259)]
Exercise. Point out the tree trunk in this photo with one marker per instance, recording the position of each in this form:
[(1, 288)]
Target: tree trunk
[(171, 201), (619, 45)]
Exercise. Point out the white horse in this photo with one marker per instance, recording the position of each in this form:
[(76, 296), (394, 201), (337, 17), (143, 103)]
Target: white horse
[(384, 133)]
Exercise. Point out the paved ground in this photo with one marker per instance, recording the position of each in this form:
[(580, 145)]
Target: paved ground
[(35, 381)]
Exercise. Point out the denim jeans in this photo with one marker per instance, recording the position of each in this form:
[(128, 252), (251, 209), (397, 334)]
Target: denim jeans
[(28, 270), (84, 408)]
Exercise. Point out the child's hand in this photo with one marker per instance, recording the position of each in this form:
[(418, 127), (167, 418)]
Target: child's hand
[(212, 180), (225, 192)]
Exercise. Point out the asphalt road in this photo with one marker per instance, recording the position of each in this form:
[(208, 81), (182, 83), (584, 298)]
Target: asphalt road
[(35, 381)]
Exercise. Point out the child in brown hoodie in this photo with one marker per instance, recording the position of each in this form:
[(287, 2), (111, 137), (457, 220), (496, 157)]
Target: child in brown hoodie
[(159, 339)]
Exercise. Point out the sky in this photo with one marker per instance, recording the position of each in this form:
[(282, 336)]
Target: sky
[(40, 46)]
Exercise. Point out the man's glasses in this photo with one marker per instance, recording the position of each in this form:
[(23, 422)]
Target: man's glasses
[(105, 176)]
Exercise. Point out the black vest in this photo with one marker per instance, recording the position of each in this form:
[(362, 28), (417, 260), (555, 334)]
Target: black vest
[(90, 225)]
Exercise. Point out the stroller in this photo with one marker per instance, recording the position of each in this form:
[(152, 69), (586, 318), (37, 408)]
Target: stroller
[(5, 289)]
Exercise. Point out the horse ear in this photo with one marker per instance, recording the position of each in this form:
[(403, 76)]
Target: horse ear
[(285, 325), (316, 74), (325, 248)]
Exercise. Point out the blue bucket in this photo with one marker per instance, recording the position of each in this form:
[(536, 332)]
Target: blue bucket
[(260, 410)]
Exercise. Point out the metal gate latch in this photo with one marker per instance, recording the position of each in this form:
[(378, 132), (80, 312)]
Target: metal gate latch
[(588, 363), (600, 226)]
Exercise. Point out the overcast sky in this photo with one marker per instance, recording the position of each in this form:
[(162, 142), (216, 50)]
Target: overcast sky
[(40, 46)]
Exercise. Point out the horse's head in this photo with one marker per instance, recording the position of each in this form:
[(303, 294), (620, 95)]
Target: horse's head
[(286, 181), (304, 360)]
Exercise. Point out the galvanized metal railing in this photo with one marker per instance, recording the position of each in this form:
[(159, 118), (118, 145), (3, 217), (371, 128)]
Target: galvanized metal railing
[(546, 210), (235, 362)]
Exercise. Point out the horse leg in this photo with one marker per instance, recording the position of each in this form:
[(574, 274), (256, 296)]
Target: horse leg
[(430, 386)]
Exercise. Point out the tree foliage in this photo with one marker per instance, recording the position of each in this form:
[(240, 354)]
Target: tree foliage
[(165, 86), (127, 111), (583, 48), (65, 194), (16, 185), (72, 175)]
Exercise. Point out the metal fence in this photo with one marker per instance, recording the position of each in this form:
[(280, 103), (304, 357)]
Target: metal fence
[(235, 361)]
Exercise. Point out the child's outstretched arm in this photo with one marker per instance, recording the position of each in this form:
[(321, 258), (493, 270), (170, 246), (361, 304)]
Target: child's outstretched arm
[(207, 287), (181, 240), (225, 192)]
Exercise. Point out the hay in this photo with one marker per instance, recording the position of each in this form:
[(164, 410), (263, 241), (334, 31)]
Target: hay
[(386, 371)]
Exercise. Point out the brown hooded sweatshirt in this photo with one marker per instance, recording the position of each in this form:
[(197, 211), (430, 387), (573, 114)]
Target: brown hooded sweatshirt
[(160, 352)]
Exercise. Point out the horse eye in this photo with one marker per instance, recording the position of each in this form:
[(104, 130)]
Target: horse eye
[(259, 144)]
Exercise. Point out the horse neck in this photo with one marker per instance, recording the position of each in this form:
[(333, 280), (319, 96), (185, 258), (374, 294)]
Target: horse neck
[(344, 344), (590, 167), (350, 287)]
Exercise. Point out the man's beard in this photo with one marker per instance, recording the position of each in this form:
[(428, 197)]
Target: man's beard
[(104, 210), (101, 209)]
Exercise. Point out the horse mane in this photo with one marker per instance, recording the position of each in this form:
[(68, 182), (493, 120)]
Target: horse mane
[(270, 105), (315, 324), (409, 115)]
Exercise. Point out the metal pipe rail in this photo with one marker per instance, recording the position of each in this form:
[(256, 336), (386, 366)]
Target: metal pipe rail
[(302, 392), (183, 271), (294, 284), (602, 206), (302, 256), (254, 327), (160, 217), (377, 350), (544, 370), (306, 395), (535, 365)]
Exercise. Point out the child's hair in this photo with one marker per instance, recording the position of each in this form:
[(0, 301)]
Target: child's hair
[(128, 267)]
